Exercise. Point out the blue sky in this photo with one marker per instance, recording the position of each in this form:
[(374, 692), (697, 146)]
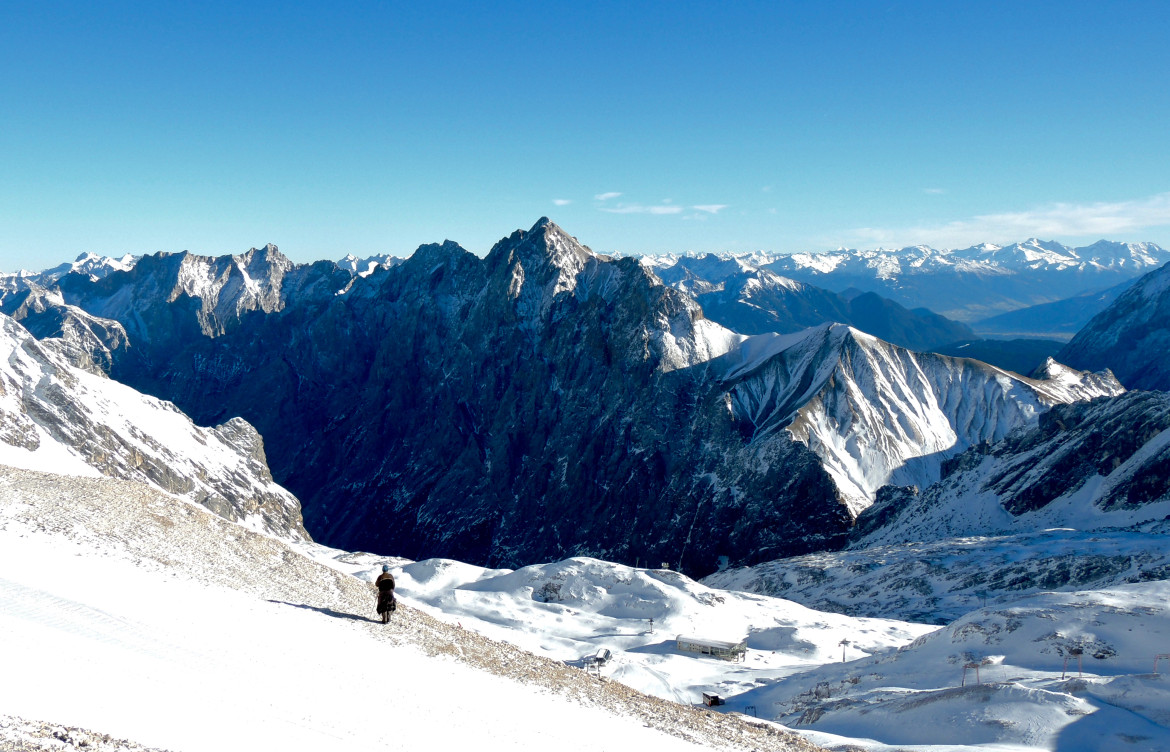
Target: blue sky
[(330, 128)]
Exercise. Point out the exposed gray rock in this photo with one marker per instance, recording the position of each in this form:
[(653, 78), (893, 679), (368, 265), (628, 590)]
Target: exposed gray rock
[(542, 402)]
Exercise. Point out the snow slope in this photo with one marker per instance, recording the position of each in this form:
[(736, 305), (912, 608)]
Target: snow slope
[(878, 414), (137, 614)]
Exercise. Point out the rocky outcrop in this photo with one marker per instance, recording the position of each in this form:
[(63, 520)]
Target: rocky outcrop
[(89, 342)]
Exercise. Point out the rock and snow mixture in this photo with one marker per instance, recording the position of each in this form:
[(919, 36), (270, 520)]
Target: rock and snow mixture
[(139, 615), (21, 735)]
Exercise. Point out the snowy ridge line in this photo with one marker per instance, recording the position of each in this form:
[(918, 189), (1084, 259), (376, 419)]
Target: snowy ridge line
[(922, 259), (879, 414), (160, 534)]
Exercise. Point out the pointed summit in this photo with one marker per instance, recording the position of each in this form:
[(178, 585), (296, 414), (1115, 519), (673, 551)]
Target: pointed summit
[(541, 264)]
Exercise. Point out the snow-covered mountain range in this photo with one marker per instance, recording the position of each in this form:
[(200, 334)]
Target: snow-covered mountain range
[(546, 401), (966, 284)]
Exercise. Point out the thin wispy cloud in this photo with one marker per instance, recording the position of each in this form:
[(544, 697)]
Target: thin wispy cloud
[(562, 201), (710, 208), (606, 196), (933, 191), (1101, 219), (642, 209)]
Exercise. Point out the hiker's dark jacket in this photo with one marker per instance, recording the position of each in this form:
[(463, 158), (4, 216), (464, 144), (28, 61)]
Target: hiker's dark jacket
[(385, 585)]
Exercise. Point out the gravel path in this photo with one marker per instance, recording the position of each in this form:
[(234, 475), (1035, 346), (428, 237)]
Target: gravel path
[(166, 534)]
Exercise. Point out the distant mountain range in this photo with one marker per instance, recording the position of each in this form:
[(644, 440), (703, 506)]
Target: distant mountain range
[(970, 284), (753, 300)]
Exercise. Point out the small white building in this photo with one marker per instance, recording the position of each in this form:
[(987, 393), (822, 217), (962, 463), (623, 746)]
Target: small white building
[(728, 651)]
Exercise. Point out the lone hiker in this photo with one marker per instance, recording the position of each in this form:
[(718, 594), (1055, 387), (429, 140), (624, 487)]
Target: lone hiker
[(386, 600)]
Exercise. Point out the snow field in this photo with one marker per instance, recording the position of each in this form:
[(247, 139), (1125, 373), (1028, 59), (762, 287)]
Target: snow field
[(130, 613), (571, 609)]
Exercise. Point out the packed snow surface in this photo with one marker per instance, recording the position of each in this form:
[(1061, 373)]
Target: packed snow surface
[(1058, 671), (139, 615)]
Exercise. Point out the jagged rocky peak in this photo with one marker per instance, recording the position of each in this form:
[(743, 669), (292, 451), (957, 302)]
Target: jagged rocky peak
[(430, 254), (1094, 383), (88, 342), (541, 264)]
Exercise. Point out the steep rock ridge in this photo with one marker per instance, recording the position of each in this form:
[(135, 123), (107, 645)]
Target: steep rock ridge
[(752, 300), (1099, 464), (1131, 336), (877, 414), (546, 402), (56, 416)]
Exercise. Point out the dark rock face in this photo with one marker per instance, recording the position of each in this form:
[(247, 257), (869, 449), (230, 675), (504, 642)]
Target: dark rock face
[(1131, 337), (540, 403)]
